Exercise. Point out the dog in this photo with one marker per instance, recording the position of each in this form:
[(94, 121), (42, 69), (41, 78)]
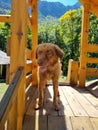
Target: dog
[(48, 58)]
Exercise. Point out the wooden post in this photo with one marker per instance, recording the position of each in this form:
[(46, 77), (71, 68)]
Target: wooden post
[(18, 46), (34, 21), (72, 76), (83, 47)]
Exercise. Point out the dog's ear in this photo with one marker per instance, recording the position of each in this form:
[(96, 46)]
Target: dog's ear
[(58, 51)]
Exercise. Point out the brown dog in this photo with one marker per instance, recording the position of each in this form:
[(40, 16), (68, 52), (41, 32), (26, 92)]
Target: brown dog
[(48, 58)]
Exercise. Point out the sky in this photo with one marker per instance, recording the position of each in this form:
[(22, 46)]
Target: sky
[(65, 2)]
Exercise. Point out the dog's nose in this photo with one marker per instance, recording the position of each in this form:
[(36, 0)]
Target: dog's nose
[(40, 62)]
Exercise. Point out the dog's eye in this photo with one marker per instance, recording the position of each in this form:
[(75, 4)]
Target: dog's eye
[(40, 52), (48, 51)]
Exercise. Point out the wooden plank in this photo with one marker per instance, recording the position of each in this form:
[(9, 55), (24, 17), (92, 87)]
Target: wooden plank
[(31, 109), (93, 72), (92, 99), (73, 101), (5, 18), (29, 95), (64, 105), (94, 122), (28, 53), (57, 123), (92, 60), (86, 105), (48, 102), (35, 123), (81, 123), (92, 47), (83, 46)]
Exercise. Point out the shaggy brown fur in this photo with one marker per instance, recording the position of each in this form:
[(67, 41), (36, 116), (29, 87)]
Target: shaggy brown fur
[(48, 58)]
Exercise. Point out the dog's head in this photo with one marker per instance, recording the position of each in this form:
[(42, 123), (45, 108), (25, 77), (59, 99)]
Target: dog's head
[(47, 54)]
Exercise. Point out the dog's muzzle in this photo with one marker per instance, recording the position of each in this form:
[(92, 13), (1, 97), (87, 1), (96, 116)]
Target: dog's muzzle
[(43, 69)]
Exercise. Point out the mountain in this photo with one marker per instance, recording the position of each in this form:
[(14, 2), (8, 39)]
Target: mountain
[(45, 8), (54, 9)]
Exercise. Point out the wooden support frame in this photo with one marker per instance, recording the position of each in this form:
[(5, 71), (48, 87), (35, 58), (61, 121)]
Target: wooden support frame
[(19, 17), (84, 43)]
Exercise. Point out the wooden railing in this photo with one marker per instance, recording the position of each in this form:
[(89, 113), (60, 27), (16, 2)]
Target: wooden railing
[(11, 111)]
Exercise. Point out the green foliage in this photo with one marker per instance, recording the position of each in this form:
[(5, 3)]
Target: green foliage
[(65, 32), (4, 33)]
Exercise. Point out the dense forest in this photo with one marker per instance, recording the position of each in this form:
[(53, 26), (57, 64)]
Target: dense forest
[(65, 32)]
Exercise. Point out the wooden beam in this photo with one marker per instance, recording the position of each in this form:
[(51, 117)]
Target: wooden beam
[(83, 46), (18, 47), (5, 18), (92, 72), (92, 48)]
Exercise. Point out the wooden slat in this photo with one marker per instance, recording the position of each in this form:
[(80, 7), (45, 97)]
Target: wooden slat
[(48, 102), (28, 53), (65, 108), (5, 18), (74, 103), (92, 60), (93, 100), (83, 46), (35, 123), (92, 48), (94, 122), (81, 123), (84, 103), (56, 123), (29, 95), (93, 72), (31, 110)]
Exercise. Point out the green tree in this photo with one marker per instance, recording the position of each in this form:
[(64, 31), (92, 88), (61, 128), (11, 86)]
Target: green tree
[(71, 30), (4, 34)]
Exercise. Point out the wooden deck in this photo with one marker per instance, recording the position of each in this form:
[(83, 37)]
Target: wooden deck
[(78, 110)]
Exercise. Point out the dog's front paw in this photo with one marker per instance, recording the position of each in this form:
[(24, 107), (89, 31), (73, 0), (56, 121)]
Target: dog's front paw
[(56, 107), (38, 105)]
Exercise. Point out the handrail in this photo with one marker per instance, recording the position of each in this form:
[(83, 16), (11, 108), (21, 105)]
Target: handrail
[(10, 94)]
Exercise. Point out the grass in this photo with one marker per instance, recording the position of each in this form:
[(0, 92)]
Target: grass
[(62, 79), (3, 88)]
